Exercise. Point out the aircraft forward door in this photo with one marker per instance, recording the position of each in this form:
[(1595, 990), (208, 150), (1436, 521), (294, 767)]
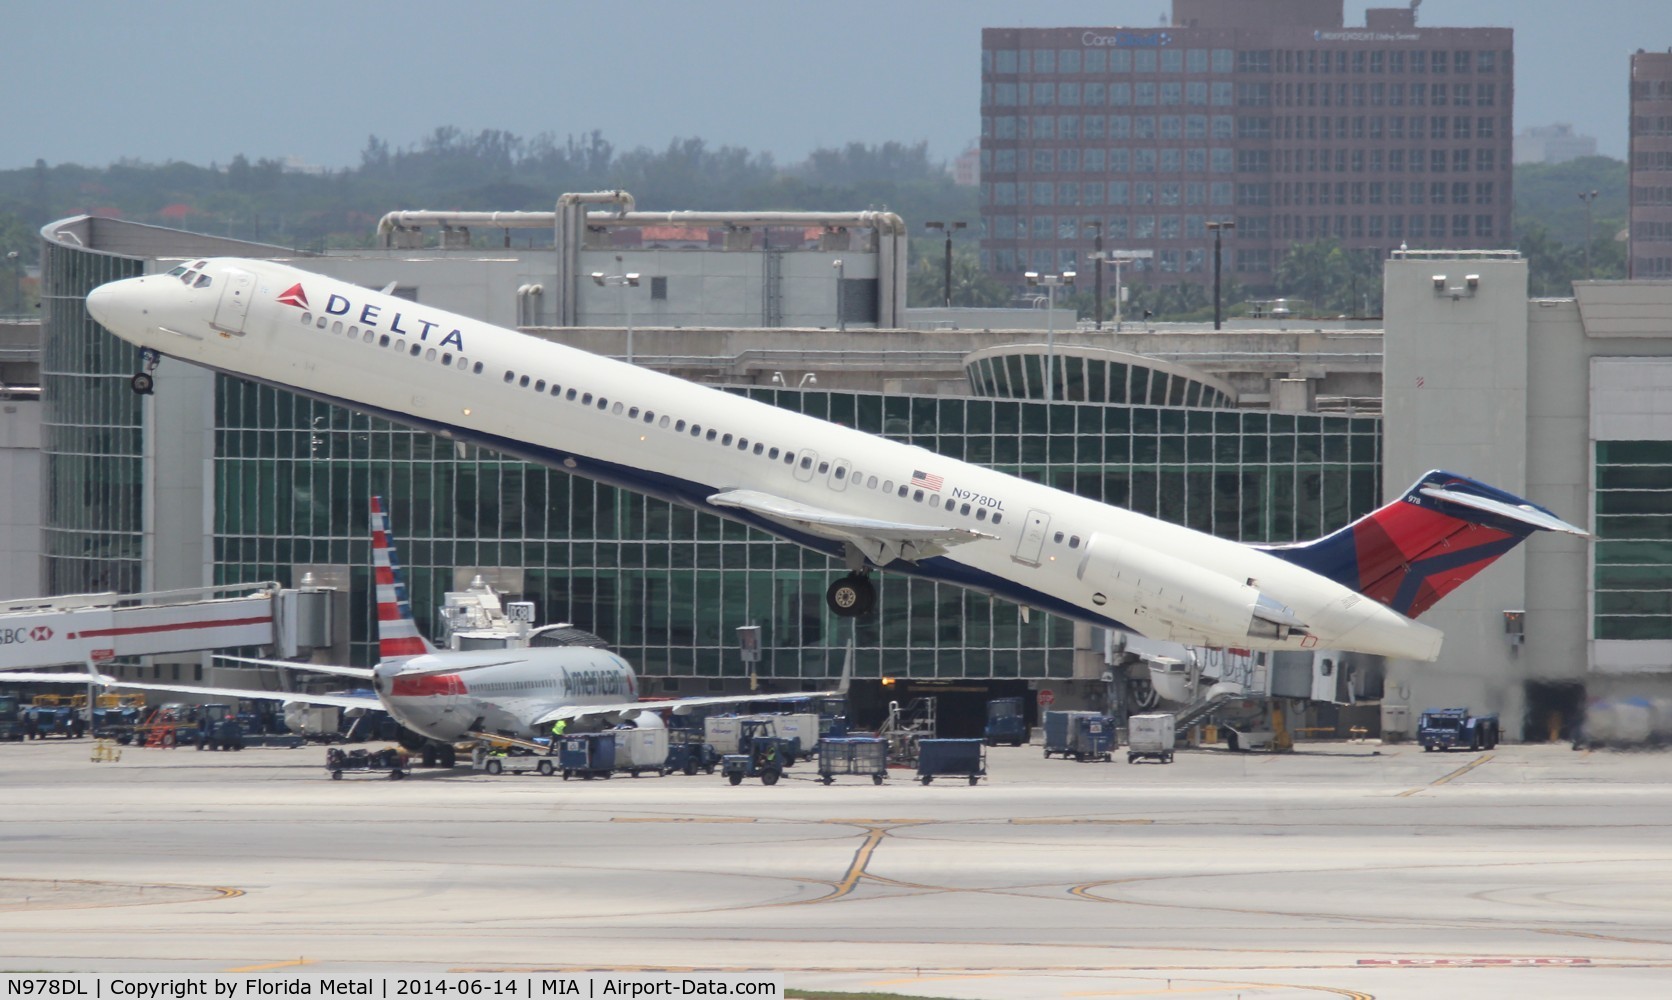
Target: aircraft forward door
[(234, 306), (839, 470), (1033, 538)]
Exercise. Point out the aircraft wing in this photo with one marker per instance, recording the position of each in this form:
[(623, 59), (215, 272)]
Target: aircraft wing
[(364, 673), (625, 710), (231, 694), (35, 677), (882, 542)]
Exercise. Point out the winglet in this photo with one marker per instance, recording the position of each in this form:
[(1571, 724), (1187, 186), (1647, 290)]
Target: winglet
[(397, 634)]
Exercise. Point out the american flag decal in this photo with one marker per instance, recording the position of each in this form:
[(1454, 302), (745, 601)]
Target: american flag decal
[(927, 481)]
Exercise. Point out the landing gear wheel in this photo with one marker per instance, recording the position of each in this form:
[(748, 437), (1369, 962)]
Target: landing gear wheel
[(142, 383), (852, 596)]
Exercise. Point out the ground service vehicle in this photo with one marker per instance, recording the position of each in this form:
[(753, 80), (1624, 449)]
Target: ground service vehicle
[(218, 728), (761, 753), (11, 728), (55, 715), (688, 754), (1456, 729), (1151, 737), (1006, 722)]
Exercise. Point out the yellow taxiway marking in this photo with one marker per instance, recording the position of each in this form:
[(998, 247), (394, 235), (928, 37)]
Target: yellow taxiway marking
[(269, 965), (1460, 772)]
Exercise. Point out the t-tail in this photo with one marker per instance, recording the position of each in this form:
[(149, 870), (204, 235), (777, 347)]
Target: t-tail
[(1421, 547), (398, 637)]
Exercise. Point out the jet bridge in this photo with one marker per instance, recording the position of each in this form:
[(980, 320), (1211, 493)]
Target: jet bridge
[(78, 629)]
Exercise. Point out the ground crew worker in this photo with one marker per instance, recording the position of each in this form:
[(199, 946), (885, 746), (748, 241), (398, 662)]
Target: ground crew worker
[(559, 727)]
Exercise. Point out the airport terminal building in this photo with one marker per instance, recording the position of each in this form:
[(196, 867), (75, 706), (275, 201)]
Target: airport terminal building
[(217, 480)]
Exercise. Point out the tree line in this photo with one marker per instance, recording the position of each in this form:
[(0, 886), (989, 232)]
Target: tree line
[(263, 200)]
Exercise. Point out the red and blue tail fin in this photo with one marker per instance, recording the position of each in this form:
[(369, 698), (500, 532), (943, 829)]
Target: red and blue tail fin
[(1419, 548), (397, 634)]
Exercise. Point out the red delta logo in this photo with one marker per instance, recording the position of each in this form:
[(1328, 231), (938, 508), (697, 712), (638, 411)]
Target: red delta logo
[(40, 633), (294, 296)]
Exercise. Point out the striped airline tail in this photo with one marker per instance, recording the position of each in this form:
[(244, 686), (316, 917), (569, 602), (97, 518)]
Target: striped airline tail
[(397, 634), (1422, 546)]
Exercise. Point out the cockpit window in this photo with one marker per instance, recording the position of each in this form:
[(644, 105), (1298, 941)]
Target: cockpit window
[(203, 281), (178, 271)]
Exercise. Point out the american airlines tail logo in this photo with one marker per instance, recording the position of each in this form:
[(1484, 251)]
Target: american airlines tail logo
[(294, 296)]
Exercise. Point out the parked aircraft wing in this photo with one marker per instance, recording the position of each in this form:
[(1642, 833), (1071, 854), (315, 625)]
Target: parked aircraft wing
[(623, 711), (364, 673), (881, 541), (38, 677), (231, 694)]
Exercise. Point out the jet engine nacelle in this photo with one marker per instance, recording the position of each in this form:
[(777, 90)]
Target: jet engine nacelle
[(1170, 598)]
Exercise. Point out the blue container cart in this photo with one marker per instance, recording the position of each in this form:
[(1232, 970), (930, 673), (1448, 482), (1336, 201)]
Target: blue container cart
[(587, 755), (938, 758)]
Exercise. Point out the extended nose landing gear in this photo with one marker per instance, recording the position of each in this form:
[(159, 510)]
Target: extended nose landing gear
[(143, 382)]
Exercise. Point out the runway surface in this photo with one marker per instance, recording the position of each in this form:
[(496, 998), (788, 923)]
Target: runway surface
[(1347, 870)]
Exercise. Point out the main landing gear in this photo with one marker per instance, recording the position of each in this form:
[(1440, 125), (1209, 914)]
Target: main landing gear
[(143, 382), (852, 596)]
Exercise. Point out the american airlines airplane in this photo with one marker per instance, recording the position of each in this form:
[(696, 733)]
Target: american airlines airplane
[(450, 696), (871, 502)]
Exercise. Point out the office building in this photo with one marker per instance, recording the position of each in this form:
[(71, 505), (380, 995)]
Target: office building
[(1650, 254), (1270, 114)]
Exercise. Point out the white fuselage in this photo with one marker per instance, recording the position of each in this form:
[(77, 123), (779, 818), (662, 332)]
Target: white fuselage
[(499, 691), (670, 438)]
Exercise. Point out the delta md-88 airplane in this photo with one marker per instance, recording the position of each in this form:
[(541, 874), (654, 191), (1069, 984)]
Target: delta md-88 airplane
[(871, 502)]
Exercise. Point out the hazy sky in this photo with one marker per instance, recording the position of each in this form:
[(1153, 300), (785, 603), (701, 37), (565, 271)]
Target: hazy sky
[(97, 81)]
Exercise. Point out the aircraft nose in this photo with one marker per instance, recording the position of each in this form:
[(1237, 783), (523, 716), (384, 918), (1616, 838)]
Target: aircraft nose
[(114, 302)]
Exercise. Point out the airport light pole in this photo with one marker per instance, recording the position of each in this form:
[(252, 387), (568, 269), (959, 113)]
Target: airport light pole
[(1117, 258), (1096, 257), (841, 289), (1218, 229), (622, 281), (1588, 197), (1051, 282), (16, 263), (948, 228)]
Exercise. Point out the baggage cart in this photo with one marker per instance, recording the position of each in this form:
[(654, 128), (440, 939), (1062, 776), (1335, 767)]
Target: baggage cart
[(1150, 737), (640, 750), (938, 757), (853, 755), (390, 761), (587, 755), (1081, 735)]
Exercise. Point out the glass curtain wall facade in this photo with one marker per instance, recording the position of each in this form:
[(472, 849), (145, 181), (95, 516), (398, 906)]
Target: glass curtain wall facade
[(668, 586), (1634, 540), (91, 437)]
